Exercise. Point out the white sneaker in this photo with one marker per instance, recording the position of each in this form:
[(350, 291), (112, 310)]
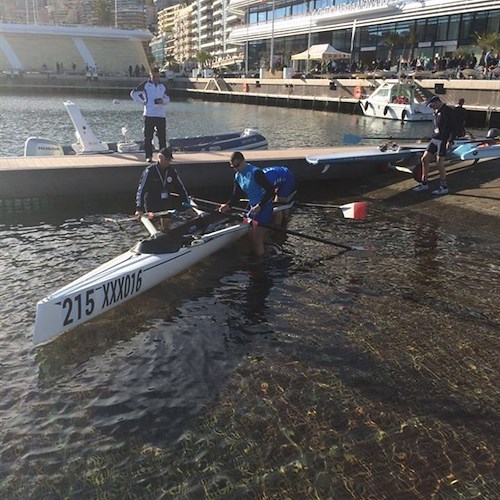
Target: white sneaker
[(440, 190), (421, 187)]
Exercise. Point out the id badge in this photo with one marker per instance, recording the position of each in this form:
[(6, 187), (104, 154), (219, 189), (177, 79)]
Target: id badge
[(164, 195)]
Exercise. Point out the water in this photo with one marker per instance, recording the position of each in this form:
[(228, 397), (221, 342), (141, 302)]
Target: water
[(318, 374), (45, 116)]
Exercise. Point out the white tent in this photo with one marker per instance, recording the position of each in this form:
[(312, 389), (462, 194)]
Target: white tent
[(324, 51)]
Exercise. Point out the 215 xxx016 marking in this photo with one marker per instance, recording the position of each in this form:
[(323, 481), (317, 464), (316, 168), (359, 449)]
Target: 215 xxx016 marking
[(74, 308)]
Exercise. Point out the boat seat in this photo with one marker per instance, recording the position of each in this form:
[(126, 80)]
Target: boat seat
[(174, 239)]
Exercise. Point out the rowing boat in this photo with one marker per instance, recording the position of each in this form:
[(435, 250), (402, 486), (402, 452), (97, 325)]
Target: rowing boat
[(385, 153), (147, 264), (475, 151)]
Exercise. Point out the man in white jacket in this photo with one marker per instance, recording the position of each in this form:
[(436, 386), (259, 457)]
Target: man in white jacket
[(153, 96)]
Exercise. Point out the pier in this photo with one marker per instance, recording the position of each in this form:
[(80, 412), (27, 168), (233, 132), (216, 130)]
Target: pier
[(28, 182)]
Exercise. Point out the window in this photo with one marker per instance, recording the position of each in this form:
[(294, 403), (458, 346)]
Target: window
[(466, 31), (431, 29), (454, 28), (442, 28)]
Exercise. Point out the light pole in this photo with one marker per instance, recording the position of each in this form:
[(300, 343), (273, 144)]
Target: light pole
[(246, 45), (308, 43), (271, 62), (116, 13)]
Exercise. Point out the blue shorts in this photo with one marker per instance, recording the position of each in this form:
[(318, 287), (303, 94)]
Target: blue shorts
[(287, 188), (437, 147), (265, 215)]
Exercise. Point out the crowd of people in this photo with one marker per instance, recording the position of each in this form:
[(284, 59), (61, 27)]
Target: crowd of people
[(455, 66)]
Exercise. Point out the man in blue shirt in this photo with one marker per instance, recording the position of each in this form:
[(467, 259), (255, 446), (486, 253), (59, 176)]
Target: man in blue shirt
[(256, 186)]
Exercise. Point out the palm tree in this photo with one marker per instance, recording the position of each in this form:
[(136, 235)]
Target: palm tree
[(202, 57), (488, 41), (411, 39), (391, 40)]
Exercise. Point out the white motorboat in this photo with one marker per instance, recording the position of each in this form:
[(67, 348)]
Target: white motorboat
[(396, 100), (87, 142)]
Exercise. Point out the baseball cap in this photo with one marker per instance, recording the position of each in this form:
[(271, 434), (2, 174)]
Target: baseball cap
[(432, 99), (166, 152)]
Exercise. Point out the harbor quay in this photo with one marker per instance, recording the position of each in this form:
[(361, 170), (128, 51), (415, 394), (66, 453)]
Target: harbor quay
[(78, 176), (482, 97)]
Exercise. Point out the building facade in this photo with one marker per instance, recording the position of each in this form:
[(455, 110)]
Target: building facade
[(427, 28)]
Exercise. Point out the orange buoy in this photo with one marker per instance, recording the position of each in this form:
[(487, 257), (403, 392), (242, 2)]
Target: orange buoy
[(358, 92)]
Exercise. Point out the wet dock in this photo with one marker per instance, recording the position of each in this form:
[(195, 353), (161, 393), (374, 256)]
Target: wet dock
[(119, 173)]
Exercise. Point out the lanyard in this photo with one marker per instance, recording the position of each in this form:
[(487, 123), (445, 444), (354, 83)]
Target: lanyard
[(163, 181)]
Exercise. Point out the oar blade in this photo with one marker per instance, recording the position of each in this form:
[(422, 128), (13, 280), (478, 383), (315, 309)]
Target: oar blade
[(356, 210)]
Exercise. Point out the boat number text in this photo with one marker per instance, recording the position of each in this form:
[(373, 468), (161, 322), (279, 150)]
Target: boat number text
[(84, 303)]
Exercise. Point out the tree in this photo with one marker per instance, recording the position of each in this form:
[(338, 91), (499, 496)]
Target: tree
[(391, 40), (411, 39), (103, 13), (488, 41), (202, 56)]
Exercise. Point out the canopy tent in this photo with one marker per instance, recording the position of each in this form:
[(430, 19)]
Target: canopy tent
[(324, 51)]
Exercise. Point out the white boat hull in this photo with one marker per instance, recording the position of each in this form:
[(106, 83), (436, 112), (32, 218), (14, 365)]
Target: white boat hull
[(366, 155), (88, 144), (120, 280), (397, 100), (391, 111)]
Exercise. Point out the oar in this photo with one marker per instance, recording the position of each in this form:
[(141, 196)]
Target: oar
[(286, 231), (356, 139), (356, 210), (137, 218), (310, 237)]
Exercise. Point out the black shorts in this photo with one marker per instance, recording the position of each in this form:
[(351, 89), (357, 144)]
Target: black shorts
[(437, 147)]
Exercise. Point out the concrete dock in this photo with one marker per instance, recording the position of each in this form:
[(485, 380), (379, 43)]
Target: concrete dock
[(473, 200), (119, 173)]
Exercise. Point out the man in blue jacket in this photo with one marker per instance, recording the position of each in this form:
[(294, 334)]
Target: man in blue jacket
[(161, 189), (153, 96), (256, 186)]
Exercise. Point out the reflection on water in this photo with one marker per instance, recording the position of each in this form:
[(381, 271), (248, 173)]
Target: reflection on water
[(367, 374)]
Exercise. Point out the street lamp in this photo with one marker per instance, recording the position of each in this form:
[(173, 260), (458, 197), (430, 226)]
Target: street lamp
[(271, 62)]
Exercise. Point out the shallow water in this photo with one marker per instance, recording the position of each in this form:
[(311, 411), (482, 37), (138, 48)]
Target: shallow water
[(318, 374)]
